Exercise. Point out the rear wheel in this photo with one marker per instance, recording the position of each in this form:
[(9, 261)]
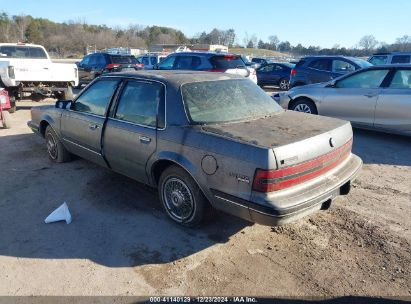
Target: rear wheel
[(181, 197), (6, 119), (55, 149), (284, 84), (304, 105)]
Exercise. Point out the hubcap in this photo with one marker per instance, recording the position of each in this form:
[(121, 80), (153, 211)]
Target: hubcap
[(51, 146), (178, 199), (302, 108)]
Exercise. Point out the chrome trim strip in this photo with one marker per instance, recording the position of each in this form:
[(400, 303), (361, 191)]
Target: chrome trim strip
[(69, 141)]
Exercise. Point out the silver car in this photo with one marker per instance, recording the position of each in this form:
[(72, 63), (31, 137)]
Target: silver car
[(373, 98), (204, 139)]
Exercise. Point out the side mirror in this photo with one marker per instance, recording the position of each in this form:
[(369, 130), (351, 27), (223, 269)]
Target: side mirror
[(64, 104), (331, 84)]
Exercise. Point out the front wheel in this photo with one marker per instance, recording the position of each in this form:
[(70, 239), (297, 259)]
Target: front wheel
[(181, 197), (6, 119), (55, 149), (304, 105)]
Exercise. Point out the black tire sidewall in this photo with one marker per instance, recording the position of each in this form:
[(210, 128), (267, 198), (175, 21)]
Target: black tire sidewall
[(62, 154)]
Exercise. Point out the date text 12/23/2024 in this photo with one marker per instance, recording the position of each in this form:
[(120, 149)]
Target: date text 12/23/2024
[(238, 299)]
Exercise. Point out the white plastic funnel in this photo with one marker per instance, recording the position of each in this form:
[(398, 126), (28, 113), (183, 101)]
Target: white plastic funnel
[(62, 213)]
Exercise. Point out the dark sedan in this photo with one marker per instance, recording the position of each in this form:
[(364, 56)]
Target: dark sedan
[(275, 74)]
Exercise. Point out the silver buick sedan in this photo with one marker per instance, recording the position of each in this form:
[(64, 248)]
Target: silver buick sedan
[(204, 140), (377, 98)]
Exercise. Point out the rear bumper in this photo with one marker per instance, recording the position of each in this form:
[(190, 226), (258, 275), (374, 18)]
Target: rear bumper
[(288, 206)]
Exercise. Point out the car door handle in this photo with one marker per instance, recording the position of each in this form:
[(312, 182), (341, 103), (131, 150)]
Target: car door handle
[(145, 139), (370, 95), (92, 127)]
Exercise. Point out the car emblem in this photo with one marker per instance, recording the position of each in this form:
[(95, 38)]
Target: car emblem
[(332, 142)]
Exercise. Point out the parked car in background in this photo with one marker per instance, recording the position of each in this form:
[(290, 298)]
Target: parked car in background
[(390, 58), (275, 74), (150, 60), (314, 69), (373, 98), (27, 68), (250, 64), (93, 65), (209, 62), (204, 139), (261, 61)]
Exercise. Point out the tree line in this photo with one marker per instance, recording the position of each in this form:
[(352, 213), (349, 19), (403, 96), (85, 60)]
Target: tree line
[(73, 38)]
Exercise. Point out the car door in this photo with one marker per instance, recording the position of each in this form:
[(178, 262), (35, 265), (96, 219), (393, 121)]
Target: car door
[(264, 74), (354, 97), (319, 70), (130, 132), (82, 124), (393, 111)]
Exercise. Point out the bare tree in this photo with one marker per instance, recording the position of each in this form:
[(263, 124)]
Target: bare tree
[(274, 41), (22, 22), (368, 42)]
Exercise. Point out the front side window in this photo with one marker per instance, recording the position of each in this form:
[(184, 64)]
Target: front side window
[(401, 80), (85, 61), (139, 101), (340, 66), (267, 68), (167, 64), (320, 64), (370, 79), (226, 101), (401, 59), (377, 60), (96, 98)]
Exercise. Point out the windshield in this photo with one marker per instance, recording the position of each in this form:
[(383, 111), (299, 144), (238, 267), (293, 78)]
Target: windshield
[(362, 63), (226, 101), (11, 51)]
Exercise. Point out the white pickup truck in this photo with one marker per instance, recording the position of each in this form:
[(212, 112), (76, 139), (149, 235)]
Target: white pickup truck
[(27, 68)]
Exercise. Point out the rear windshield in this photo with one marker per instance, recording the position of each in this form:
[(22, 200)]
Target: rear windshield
[(377, 60), (362, 63), (124, 59), (226, 101), (11, 51), (226, 62)]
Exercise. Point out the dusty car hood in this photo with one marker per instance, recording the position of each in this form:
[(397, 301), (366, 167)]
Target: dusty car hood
[(278, 130)]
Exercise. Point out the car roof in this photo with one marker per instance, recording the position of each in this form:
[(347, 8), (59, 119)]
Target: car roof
[(329, 56), (175, 78), (390, 66), (392, 53), (193, 53)]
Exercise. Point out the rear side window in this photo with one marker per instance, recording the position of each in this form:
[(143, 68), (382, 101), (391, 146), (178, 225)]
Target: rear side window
[(96, 98), (401, 80), (153, 60), (10, 51), (320, 64), (226, 62), (187, 62), (371, 79), (124, 59), (401, 59), (138, 103), (340, 66)]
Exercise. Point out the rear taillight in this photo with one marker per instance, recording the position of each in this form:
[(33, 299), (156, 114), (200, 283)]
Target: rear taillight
[(293, 72), (274, 180), (216, 71), (230, 57), (10, 71), (140, 65), (112, 66)]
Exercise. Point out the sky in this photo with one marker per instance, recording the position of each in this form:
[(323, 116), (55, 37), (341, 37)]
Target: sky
[(322, 23)]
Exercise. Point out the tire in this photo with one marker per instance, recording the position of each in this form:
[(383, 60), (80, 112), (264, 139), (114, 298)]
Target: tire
[(55, 149), (284, 84), (13, 105), (6, 119), (305, 105), (181, 197)]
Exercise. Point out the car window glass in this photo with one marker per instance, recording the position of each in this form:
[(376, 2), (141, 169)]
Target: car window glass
[(85, 61), (267, 68), (367, 80), (100, 61), (153, 60), (138, 103), (278, 68), (187, 62), (320, 64), (124, 59), (224, 62), (93, 60), (400, 59), (340, 66), (168, 63), (96, 98), (377, 60), (401, 80)]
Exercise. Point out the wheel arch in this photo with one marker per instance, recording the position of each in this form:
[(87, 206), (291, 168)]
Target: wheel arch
[(299, 98)]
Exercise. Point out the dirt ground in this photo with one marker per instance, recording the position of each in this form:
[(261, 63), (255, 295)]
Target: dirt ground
[(121, 243)]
